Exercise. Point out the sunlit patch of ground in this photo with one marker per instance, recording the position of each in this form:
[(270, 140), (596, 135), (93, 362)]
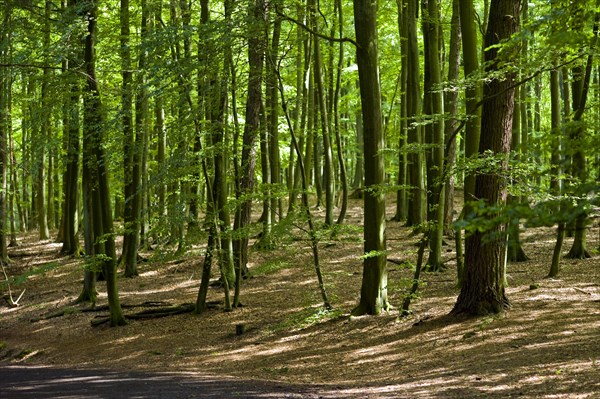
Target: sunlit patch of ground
[(547, 345)]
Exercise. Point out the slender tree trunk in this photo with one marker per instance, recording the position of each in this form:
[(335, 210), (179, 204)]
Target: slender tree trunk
[(555, 162), (473, 92), (451, 108), (44, 138), (580, 89), (328, 182), (401, 193), (131, 178), (336, 116), (5, 88), (435, 174), (416, 161), (273, 125)]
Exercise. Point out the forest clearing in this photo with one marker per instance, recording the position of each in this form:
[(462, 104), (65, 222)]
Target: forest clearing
[(545, 346)]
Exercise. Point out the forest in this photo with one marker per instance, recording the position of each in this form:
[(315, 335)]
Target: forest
[(362, 154)]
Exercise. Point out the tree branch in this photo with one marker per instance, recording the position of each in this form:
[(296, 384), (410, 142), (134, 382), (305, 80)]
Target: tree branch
[(313, 32)]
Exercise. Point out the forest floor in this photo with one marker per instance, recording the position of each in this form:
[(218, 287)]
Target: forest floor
[(546, 345)]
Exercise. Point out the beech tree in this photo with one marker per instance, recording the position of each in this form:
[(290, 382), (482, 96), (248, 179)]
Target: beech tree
[(483, 288), (373, 293)]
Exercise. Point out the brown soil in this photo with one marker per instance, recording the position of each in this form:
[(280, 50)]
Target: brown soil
[(546, 345)]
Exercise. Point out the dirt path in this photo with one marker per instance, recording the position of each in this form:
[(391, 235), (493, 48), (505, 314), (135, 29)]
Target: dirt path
[(49, 382)]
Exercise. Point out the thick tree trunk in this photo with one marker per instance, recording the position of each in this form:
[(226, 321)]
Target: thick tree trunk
[(483, 288), (373, 297), (101, 204), (256, 54)]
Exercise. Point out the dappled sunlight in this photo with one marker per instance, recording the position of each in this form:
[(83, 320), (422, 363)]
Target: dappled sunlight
[(542, 344)]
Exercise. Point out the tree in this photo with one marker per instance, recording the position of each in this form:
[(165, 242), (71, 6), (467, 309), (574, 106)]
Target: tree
[(473, 91), (434, 105), (256, 55), (71, 131), (101, 209), (131, 173), (373, 293), (416, 202), (483, 288), (5, 87), (581, 79)]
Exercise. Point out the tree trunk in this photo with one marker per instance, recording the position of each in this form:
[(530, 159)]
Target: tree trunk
[(130, 169), (93, 139), (473, 91), (373, 297), (336, 116), (5, 88), (577, 134), (435, 104), (401, 197), (451, 108), (44, 138), (416, 161), (256, 54), (328, 183), (483, 289)]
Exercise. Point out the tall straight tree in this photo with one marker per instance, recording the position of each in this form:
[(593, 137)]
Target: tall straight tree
[(256, 55), (373, 294), (71, 138), (130, 171), (580, 87), (45, 127), (5, 87), (97, 162), (451, 108), (416, 197), (434, 105), (483, 288), (473, 90)]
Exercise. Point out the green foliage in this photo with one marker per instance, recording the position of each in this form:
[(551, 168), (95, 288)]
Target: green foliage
[(307, 317), (269, 267)]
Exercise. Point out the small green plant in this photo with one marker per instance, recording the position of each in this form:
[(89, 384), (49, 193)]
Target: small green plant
[(269, 267), (307, 317)]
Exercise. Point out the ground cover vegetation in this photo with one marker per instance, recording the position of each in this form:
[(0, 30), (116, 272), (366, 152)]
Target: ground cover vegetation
[(269, 174)]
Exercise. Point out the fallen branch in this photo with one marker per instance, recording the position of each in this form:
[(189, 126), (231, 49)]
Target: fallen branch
[(157, 313), (11, 300)]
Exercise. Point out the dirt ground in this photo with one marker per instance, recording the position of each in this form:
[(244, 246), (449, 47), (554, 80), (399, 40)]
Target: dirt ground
[(546, 345)]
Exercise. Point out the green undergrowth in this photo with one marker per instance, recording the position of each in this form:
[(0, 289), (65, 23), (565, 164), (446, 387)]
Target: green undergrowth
[(307, 317), (269, 267)]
